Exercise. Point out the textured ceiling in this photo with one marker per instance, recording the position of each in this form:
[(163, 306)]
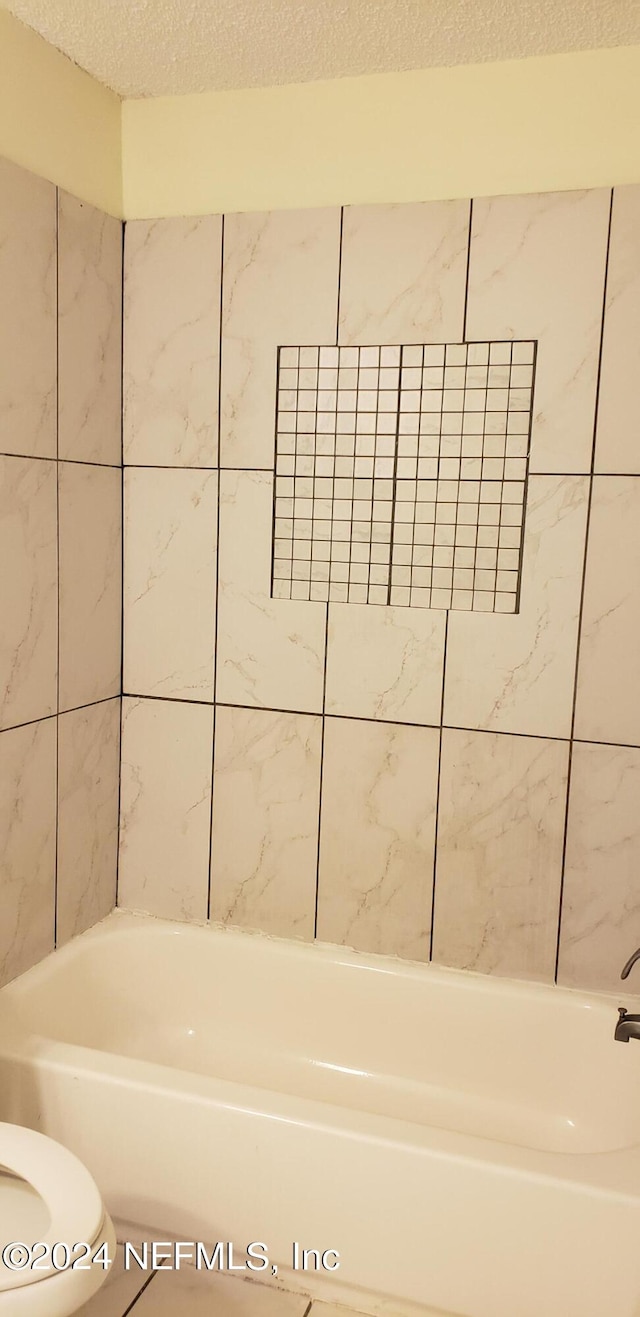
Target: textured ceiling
[(167, 47)]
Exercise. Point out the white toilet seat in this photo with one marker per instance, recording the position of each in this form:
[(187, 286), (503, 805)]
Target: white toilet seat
[(69, 1193)]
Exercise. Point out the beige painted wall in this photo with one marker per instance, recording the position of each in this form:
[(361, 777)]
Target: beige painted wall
[(57, 121), (562, 121)]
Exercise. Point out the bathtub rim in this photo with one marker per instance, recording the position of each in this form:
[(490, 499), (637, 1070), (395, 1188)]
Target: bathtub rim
[(491, 985), (614, 1172)]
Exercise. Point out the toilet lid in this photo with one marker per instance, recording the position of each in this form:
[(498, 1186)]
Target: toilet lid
[(69, 1193)]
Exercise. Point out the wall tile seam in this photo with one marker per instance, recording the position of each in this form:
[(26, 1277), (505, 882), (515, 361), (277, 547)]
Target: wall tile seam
[(576, 670), (268, 470), (209, 872), (327, 606), (441, 729), (58, 610), (62, 713), (122, 562), (355, 717), (63, 461)]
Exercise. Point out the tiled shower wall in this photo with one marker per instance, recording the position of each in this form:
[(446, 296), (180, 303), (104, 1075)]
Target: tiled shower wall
[(60, 565), (460, 786)]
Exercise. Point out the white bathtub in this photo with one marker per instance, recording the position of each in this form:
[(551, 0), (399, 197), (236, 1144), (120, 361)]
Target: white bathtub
[(467, 1144)]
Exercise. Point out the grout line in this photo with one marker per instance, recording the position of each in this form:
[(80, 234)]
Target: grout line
[(340, 242), (437, 800), (30, 722), (268, 470), (582, 594), (321, 775), (122, 296), (355, 717), (466, 277), (65, 461), (275, 477), (140, 1293), (529, 475), (57, 716), (188, 466), (327, 606), (394, 484), (217, 577), (308, 1310)]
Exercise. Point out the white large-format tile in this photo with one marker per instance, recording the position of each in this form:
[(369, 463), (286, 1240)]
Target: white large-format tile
[(170, 582), (515, 673), (270, 652), (27, 313), (266, 790), (28, 558), (607, 704), (617, 447), (89, 333), (118, 1291), (537, 271), (194, 1293), (377, 836), (27, 845), (601, 896), (500, 833), (403, 275), (280, 287), (172, 341), (90, 511), (385, 662), (88, 784), (165, 807), (403, 272)]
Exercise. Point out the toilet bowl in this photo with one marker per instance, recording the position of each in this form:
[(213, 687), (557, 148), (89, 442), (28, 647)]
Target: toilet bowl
[(48, 1197)]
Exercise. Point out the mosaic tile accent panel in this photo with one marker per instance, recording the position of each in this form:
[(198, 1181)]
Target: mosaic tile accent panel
[(401, 474)]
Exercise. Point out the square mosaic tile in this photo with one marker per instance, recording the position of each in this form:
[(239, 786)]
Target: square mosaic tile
[(400, 474)]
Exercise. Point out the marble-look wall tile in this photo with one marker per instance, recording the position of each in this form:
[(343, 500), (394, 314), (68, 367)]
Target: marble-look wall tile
[(377, 836), (280, 286), (89, 333), (270, 652), (28, 552), (515, 673), (601, 897), (172, 341), (88, 784), (27, 313), (617, 447), (165, 807), (537, 271), (170, 582), (403, 279), (27, 845), (607, 703), (385, 662), (403, 273), (266, 789), (90, 511), (500, 835)]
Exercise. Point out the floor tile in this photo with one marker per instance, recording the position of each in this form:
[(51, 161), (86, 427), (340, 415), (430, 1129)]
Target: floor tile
[(117, 1293), (201, 1294), (331, 1310)]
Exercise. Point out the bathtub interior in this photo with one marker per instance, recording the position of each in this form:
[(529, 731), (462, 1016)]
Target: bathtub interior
[(519, 1063)]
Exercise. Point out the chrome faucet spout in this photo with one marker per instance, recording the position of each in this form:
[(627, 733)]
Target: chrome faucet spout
[(630, 964)]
